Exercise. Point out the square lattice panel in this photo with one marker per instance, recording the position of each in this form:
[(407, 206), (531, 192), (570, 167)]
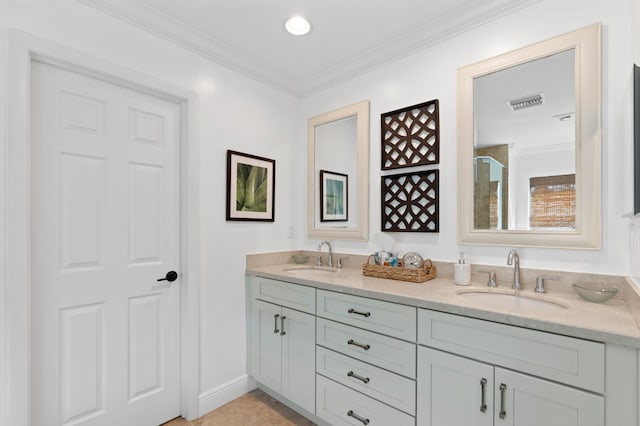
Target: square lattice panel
[(411, 136), (410, 202)]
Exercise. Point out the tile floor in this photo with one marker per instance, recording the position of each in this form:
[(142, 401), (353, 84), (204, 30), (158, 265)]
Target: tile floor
[(253, 409)]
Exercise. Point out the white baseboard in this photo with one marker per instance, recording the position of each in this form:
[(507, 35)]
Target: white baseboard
[(226, 392)]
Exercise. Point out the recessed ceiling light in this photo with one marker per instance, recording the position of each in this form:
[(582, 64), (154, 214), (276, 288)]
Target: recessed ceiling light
[(297, 25)]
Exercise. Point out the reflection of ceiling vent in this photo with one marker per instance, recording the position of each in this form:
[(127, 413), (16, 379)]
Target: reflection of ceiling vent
[(526, 102)]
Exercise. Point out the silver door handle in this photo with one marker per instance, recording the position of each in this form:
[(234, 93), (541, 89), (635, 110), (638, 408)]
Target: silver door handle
[(282, 333), (360, 345), (503, 388), (355, 376), (364, 314), (275, 324), (364, 421), (483, 403)]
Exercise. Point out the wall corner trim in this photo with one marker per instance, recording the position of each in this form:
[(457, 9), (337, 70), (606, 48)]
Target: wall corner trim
[(226, 392)]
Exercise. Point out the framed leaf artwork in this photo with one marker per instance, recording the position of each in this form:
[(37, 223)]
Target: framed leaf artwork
[(250, 187)]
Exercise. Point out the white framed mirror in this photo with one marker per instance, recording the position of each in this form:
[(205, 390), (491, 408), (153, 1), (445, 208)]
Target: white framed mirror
[(338, 174), (529, 145)]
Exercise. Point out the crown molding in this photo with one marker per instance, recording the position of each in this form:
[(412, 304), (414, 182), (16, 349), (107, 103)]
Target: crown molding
[(436, 31), (173, 30)]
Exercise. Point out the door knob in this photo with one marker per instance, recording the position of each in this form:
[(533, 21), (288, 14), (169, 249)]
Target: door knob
[(171, 276)]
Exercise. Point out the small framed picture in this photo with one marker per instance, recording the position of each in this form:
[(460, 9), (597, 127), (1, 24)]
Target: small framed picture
[(250, 187), (334, 200)]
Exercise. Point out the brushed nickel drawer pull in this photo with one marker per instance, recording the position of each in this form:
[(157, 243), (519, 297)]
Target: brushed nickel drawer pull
[(275, 324), (503, 388), (364, 421), (483, 403), (282, 332), (364, 314), (360, 345), (355, 376)]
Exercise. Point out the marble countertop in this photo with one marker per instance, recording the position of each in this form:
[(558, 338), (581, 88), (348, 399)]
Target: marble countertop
[(611, 322)]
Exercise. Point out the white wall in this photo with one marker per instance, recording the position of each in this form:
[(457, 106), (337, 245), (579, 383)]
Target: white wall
[(235, 113), (431, 74)]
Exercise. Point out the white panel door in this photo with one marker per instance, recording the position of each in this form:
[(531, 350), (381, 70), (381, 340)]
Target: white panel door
[(522, 400), (105, 227), (453, 391)]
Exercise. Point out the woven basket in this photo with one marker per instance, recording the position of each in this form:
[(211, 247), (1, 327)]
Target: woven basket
[(426, 273)]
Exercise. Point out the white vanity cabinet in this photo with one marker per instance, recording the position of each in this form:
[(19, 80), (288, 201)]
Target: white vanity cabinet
[(365, 361), (353, 360), (454, 390), (283, 340)]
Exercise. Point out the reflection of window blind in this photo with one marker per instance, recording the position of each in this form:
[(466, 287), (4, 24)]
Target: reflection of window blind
[(552, 202), (493, 205)]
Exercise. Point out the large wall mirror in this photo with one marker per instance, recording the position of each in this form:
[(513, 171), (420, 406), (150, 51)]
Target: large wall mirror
[(529, 145), (338, 174)]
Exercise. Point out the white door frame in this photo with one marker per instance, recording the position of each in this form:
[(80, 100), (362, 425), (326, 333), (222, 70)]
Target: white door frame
[(16, 285)]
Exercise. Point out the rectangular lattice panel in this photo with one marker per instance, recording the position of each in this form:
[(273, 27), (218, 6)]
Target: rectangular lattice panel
[(411, 136), (410, 202)]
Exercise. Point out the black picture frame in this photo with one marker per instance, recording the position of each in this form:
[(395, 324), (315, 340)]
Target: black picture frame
[(257, 174), (334, 199), (636, 138)]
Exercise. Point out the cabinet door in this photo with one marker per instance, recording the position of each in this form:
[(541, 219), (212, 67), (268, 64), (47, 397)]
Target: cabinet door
[(298, 358), (528, 401), (266, 344), (453, 391)]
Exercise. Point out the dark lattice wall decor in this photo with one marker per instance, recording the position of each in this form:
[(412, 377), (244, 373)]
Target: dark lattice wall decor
[(410, 202), (411, 136)]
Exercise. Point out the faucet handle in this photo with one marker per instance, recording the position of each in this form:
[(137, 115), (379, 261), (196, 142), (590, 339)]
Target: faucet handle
[(339, 266), (319, 262), (492, 278), (540, 282)]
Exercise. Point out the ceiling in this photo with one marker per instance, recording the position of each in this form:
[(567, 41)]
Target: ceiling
[(347, 37), (537, 127)]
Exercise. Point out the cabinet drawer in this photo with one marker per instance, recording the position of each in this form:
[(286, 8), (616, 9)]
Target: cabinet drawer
[(569, 360), (282, 293), (339, 405), (394, 390), (386, 352), (375, 315)]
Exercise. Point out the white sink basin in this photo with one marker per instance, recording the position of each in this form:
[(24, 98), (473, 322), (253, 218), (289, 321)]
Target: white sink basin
[(511, 300), (312, 271)]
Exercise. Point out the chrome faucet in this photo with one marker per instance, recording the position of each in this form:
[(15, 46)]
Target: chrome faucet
[(330, 261), (514, 259)]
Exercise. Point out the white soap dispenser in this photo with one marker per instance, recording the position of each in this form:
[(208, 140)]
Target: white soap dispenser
[(462, 271)]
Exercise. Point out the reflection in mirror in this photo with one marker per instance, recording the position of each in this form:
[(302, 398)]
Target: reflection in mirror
[(529, 138), (338, 173), (524, 146), (335, 150)]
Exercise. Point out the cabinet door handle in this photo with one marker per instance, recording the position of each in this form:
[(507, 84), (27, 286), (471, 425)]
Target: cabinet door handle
[(483, 403), (364, 314), (503, 388), (364, 421), (360, 345), (275, 324), (282, 332), (355, 376)]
